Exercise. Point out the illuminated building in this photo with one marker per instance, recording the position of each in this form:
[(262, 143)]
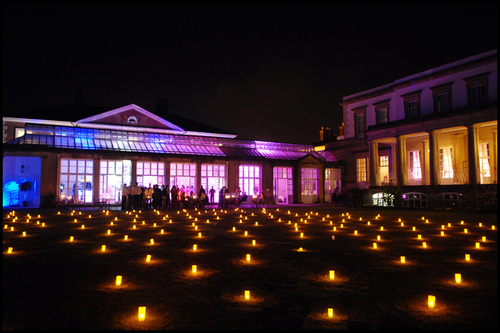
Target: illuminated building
[(91, 158), (433, 133)]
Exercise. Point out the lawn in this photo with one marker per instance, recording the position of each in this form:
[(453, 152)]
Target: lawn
[(50, 282)]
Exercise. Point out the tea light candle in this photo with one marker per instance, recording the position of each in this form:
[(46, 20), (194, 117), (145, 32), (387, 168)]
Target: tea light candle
[(477, 245), (103, 248), (424, 244), (253, 241), (402, 259), (483, 238), (431, 301), (71, 238), (374, 245), (467, 257), (332, 274), (148, 258), (247, 294), (142, 313), (458, 277), (118, 280), (126, 237), (152, 241), (9, 250), (248, 257), (194, 268), (195, 247), (330, 312)]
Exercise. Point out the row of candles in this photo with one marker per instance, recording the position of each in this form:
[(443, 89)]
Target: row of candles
[(142, 310)]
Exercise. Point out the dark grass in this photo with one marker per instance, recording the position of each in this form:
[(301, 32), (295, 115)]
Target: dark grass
[(50, 283)]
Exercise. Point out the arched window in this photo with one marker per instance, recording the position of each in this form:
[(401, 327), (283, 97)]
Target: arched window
[(132, 120), (415, 200), (451, 200)]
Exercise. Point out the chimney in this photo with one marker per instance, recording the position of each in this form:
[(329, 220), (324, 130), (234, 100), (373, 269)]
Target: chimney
[(324, 133)]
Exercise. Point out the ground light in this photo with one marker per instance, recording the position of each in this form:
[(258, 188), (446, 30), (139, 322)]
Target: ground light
[(467, 257), (118, 281), (247, 294), (195, 247), (194, 268), (330, 312), (458, 277), (431, 301), (402, 259), (332, 274), (142, 313)]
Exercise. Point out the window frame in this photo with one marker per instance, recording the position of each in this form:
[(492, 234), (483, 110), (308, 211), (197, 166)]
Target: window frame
[(474, 81), (410, 98), (381, 106), (439, 91)]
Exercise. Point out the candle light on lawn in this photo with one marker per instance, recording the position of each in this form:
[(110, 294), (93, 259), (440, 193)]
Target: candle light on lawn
[(103, 248), (248, 257), (330, 312), (477, 245), (458, 278), (467, 257), (247, 294), (332, 274), (118, 280), (374, 245), (424, 244), (148, 258), (9, 250), (431, 301), (152, 241), (195, 247), (142, 313), (483, 238), (71, 238), (194, 268), (126, 237)]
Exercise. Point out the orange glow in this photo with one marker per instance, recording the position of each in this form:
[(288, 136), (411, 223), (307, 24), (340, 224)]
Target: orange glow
[(9, 250), (330, 312), (71, 238), (332, 274), (142, 313), (194, 268), (467, 257), (148, 258), (431, 301), (402, 259), (477, 245), (247, 294), (374, 245), (103, 248), (458, 277), (248, 257), (118, 280)]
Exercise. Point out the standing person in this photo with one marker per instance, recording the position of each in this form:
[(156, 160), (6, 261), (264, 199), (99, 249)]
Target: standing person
[(173, 192), (202, 190), (124, 196), (167, 205), (238, 197), (212, 194), (136, 195), (163, 197), (156, 197), (148, 194), (221, 196)]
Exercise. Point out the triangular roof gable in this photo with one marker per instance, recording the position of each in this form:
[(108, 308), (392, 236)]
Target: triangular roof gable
[(309, 158), (131, 115)]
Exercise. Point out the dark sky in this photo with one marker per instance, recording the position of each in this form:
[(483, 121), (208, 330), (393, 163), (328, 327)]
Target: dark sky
[(273, 72)]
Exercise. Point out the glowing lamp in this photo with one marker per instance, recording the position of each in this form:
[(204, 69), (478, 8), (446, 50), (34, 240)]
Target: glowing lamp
[(118, 280), (162, 231), (419, 236), (234, 228), (330, 312), (142, 313), (148, 258), (484, 238), (449, 224), (126, 237), (301, 249), (378, 237), (442, 233), (465, 231), (467, 257), (402, 259), (424, 244), (152, 241), (9, 250), (381, 228), (402, 224), (248, 257), (477, 245), (134, 227), (493, 227), (193, 268), (253, 241), (399, 219), (374, 245), (431, 301), (109, 232), (332, 274), (103, 248), (71, 238), (11, 228), (413, 228), (247, 294), (334, 228), (355, 232), (458, 277), (24, 233), (246, 233), (199, 234), (195, 247), (341, 225)]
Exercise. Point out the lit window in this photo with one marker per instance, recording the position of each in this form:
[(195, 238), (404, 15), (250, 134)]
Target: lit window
[(361, 169), (484, 161), (446, 162), (415, 167)]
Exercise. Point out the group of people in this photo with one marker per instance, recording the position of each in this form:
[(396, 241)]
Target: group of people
[(156, 197)]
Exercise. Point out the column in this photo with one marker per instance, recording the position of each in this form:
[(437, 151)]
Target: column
[(393, 172), (401, 160), (472, 146), (434, 157), (373, 161)]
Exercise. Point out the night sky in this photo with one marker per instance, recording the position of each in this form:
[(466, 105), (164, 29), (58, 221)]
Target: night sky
[(274, 72)]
